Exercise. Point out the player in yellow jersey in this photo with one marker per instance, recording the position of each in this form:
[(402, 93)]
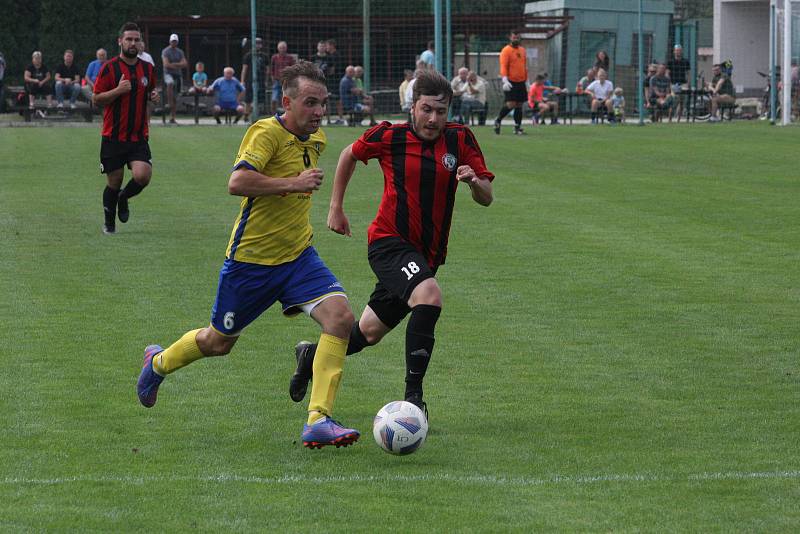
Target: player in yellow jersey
[(270, 257)]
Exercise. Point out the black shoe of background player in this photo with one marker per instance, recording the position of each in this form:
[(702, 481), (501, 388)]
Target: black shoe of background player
[(497, 126), (298, 384), (416, 400), (123, 212), (109, 229), (218, 121)]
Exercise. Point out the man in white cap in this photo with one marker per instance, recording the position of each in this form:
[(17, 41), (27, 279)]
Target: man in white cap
[(174, 61)]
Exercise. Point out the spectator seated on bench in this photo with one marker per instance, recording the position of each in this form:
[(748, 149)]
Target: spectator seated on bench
[(229, 93), (660, 94), (37, 81), (471, 92), (68, 81), (537, 102), (350, 95), (722, 94), (601, 90)]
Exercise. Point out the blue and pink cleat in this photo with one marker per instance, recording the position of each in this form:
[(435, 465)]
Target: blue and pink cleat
[(149, 380), (328, 432)]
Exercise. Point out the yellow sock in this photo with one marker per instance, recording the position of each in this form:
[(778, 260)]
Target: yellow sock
[(179, 354), (328, 364)]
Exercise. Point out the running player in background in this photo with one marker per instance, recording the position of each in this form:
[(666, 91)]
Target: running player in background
[(123, 87), (423, 162), (270, 257)]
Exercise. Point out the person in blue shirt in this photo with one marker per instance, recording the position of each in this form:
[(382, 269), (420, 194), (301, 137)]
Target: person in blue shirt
[(91, 73), (229, 93), (199, 79)]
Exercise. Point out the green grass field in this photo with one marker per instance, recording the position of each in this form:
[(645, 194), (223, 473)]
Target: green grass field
[(618, 349)]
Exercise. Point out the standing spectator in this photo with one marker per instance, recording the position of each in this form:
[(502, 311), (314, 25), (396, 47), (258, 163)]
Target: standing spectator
[(602, 61), (679, 71), (722, 92), (660, 91), (91, 73), (459, 86), (332, 78), (123, 87), (229, 93), (405, 104), (37, 80), (365, 98), (618, 103), (514, 70), (601, 90), (2, 83), (474, 98), (68, 80), (143, 55), (262, 61), (174, 62), (320, 59), (279, 61), (651, 71), (429, 56), (199, 79)]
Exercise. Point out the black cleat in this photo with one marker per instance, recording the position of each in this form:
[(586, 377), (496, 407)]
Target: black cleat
[(497, 126), (109, 229), (123, 212), (298, 384), (416, 400)]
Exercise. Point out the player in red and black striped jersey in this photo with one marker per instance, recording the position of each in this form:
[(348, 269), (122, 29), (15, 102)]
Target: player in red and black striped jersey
[(123, 87), (423, 162)]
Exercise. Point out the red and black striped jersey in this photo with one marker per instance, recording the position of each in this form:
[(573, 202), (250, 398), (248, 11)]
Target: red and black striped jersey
[(420, 183), (125, 119)]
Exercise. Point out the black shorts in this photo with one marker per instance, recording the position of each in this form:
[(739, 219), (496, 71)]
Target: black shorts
[(116, 154), (400, 268), (518, 92)]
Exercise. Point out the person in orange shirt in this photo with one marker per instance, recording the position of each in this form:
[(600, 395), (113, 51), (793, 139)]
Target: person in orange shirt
[(539, 104), (514, 70)]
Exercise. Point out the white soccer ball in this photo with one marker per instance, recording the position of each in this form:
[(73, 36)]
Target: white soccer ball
[(400, 428)]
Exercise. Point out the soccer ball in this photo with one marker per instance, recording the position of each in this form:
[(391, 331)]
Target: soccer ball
[(400, 428)]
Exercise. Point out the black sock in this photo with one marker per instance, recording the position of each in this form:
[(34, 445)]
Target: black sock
[(357, 341), (356, 344), (503, 112), (518, 117), (110, 197), (419, 345), (594, 115), (132, 189)]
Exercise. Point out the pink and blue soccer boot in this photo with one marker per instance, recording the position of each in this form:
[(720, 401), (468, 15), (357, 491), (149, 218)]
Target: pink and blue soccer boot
[(149, 380), (328, 432)]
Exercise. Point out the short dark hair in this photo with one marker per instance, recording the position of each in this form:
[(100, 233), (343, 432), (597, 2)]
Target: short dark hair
[(129, 27), (302, 69), (540, 77), (431, 83)]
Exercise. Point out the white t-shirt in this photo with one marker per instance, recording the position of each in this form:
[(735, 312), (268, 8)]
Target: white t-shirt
[(601, 91), (144, 56)]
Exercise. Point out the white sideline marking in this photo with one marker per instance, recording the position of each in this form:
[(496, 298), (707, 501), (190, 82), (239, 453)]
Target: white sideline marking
[(441, 477)]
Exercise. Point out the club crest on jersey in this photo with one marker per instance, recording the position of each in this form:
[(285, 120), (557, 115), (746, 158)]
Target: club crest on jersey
[(143, 81), (449, 161)]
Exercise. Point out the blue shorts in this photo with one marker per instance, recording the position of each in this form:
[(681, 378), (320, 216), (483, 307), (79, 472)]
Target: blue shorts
[(277, 91), (246, 290)]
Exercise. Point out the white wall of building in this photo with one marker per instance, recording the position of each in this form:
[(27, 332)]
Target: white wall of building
[(741, 33)]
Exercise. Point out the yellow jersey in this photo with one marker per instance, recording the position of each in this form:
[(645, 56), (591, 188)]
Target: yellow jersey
[(274, 229)]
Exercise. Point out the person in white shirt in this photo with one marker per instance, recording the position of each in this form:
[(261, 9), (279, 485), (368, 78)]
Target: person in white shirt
[(601, 91), (143, 55)]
